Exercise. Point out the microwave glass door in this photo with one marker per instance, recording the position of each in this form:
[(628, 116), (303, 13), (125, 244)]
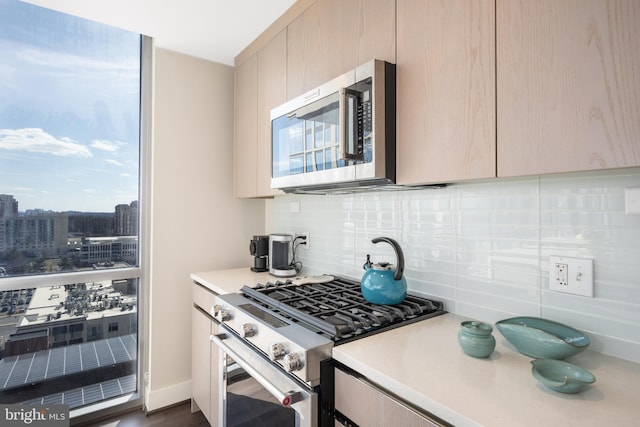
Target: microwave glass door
[(331, 133), (308, 139)]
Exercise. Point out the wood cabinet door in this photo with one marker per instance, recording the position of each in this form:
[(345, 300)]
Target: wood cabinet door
[(446, 127), (272, 91), (200, 362), (568, 85), (367, 405), (245, 118), (216, 378), (375, 31), (334, 36)]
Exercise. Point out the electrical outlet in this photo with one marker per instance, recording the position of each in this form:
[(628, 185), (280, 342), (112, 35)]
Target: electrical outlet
[(571, 275), (560, 274), (306, 240)]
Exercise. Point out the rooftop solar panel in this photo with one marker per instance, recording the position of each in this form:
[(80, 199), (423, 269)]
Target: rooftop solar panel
[(38, 367), (89, 394), (89, 357), (30, 368), (73, 361)]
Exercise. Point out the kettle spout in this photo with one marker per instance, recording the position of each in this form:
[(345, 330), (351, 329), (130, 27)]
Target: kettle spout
[(367, 265)]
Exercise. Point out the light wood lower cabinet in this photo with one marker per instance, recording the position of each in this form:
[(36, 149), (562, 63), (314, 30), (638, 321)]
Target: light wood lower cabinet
[(366, 405), (204, 357), (568, 85)]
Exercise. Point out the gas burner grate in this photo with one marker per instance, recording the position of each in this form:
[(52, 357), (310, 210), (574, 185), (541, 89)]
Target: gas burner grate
[(338, 309)]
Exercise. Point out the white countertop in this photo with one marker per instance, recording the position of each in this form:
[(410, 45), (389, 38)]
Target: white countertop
[(424, 364), (228, 281)]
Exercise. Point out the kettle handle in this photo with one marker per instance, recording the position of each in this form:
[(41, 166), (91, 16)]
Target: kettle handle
[(397, 275), (367, 265)]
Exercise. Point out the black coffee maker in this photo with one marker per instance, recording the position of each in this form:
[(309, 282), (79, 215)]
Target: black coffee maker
[(259, 248)]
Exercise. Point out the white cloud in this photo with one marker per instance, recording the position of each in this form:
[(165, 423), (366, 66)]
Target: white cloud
[(36, 140), (114, 162), (104, 145)]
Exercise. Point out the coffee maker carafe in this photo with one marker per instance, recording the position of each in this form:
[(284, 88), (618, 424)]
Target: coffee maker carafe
[(259, 248), (281, 251)]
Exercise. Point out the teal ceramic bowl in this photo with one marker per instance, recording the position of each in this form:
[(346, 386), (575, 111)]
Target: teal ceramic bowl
[(561, 376), (542, 339)]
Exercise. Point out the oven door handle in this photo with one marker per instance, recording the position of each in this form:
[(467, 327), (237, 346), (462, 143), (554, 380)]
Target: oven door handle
[(287, 398)]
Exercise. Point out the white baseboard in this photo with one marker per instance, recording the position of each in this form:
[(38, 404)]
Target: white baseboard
[(167, 396)]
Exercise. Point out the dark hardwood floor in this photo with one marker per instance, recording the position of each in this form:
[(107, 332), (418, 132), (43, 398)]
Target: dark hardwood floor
[(174, 416)]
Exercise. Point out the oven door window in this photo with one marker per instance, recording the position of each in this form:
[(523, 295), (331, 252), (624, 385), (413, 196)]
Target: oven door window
[(249, 404)]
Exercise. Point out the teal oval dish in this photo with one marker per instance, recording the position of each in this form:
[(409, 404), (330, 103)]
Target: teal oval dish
[(561, 376), (541, 338)]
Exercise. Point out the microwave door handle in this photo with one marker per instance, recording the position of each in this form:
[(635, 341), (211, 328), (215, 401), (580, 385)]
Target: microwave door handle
[(343, 120), (285, 398), (342, 124)]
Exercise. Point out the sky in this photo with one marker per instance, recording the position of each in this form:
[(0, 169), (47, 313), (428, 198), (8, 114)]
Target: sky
[(69, 111)]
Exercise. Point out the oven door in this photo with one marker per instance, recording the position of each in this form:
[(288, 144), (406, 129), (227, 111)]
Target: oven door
[(255, 392)]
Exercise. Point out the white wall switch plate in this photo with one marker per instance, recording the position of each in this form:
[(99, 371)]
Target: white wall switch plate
[(571, 275), (632, 200)]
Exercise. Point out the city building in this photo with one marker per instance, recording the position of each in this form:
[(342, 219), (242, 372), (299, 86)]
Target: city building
[(59, 316), (8, 206), (41, 234), (100, 250), (126, 219), (86, 239)]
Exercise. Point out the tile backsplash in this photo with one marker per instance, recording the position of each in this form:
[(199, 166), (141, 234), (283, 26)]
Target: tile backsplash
[(483, 247)]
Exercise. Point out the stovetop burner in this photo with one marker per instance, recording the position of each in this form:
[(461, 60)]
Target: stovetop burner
[(337, 309)]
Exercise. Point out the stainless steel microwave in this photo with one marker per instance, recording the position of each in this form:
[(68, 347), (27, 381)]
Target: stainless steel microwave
[(339, 136)]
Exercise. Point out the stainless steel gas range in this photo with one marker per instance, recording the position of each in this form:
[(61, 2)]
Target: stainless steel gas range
[(276, 343)]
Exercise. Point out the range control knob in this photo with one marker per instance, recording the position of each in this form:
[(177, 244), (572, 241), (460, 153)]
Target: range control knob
[(292, 362), (248, 330), (223, 314), (215, 309), (276, 351)]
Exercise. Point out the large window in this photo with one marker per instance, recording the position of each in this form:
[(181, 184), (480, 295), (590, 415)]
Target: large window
[(70, 115)]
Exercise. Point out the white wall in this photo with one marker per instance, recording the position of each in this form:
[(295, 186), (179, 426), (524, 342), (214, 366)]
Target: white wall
[(197, 225), (483, 247)]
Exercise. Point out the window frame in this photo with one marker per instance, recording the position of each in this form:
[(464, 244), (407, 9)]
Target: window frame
[(139, 272)]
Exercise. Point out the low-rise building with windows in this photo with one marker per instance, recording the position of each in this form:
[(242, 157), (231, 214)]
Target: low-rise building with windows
[(59, 316)]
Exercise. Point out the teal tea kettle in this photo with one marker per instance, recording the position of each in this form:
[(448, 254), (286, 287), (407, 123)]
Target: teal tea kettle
[(381, 283)]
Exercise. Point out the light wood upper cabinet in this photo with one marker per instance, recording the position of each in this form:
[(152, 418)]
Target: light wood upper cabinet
[(272, 91), (334, 36), (376, 31), (245, 118), (260, 85), (446, 126), (568, 85)]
